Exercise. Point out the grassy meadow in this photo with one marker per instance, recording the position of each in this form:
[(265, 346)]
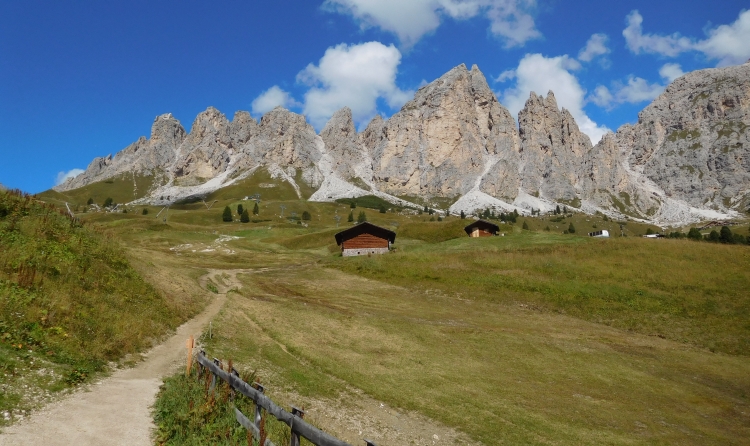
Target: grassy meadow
[(535, 337)]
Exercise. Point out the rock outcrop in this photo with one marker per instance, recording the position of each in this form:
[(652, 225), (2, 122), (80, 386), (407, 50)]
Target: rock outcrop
[(688, 153), (443, 140)]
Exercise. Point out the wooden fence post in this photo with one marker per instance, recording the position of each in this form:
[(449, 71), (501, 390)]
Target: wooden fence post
[(190, 343), (258, 415), (294, 441)]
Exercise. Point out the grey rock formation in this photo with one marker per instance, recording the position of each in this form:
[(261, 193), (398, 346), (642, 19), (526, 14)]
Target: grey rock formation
[(552, 149), (693, 141), (343, 143), (442, 141), (689, 150)]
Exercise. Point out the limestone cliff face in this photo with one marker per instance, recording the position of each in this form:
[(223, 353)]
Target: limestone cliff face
[(344, 144), (552, 150), (693, 141), (207, 149), (441, 141)]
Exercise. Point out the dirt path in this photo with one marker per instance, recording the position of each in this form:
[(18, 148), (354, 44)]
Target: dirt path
[(116, 410)]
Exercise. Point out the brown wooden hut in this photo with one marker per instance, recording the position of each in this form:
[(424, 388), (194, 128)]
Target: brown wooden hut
[(481, 228), (365, 238)]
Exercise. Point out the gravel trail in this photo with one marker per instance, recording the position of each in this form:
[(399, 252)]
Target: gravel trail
[(117, 409)]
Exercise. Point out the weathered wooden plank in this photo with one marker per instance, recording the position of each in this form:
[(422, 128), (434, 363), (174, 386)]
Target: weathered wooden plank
[(297, 424), (247, 424)]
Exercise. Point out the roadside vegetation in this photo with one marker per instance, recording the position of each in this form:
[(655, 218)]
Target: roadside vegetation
[(70, 303)]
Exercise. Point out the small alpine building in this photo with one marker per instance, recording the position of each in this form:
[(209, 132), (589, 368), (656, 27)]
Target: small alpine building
[(364, 239), (482, 228)]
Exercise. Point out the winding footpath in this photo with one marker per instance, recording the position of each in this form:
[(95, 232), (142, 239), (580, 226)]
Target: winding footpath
[(116, 410)]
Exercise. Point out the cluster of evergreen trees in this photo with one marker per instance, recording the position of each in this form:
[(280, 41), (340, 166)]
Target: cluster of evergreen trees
[(725, 235), (227, 215)]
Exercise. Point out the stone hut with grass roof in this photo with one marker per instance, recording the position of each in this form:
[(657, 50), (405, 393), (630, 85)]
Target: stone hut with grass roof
[(482, 228), (365, 239)]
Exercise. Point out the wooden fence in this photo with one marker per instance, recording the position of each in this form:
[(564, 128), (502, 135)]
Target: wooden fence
[(299, 428)]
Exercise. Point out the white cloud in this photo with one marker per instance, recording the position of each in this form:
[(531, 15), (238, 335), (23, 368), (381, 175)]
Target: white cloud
[(651, 43), (411, 20), (355, 76), (270, 99), (540, 74), (730, 44), (636, 89), (62, 176), (596, 46), (726, 43), (670, 71)]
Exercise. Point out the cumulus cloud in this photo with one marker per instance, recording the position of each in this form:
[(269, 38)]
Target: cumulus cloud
[(355, 76), (62, 176), (270, 99), (540, 74), (728, 44), (410, 20), (670, 71), (650, 43), (596, 46), (636, 89)]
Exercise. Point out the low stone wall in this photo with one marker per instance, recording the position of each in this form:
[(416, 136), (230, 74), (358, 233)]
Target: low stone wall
[(363, 251)]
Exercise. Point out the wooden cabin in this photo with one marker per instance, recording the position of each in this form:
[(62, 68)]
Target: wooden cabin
[(363, 239), (481, 228)]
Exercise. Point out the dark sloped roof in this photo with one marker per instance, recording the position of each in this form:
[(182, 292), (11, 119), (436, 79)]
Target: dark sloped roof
[(365, 228), (482, 224)]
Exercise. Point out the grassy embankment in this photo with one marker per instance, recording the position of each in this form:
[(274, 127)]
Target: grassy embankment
[(70, 302), (533, 338)]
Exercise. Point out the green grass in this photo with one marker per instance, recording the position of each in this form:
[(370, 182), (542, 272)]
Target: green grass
[(122, 189), (70, 302), (188, 413)]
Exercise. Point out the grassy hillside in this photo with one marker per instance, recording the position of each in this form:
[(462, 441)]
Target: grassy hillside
[(69, 303), (121, 189)]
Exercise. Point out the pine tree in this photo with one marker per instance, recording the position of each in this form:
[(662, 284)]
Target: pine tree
[(463, 215), (306, 216), (108, 202), (353, 205), (525, 225), (255, 209), (240, 209), (227, 216), (726, 235), (714, 236), (382, 209), (351, 217), (557, 210), (362, 217), (90, 202), (571, 228), (694, 234), (145, 211), (245, 217)]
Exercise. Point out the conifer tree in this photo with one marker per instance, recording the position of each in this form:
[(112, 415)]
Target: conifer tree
[(525, 225), (351, 217), (240, 209), (227, 216), (571, 228), (306, 215), (255, 209), (362, 217), (245, 217)]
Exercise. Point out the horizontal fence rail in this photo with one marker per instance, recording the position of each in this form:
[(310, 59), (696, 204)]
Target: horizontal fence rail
[(298, 426)]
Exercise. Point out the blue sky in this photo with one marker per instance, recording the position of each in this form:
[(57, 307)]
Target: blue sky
[(85, 79)]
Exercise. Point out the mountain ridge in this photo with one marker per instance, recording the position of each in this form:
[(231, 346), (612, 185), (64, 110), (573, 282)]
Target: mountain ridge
[(687, 158)]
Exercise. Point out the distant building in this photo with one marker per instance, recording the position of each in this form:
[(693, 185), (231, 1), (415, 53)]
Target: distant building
[(602, 233), (481, 228), (365, 238)]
